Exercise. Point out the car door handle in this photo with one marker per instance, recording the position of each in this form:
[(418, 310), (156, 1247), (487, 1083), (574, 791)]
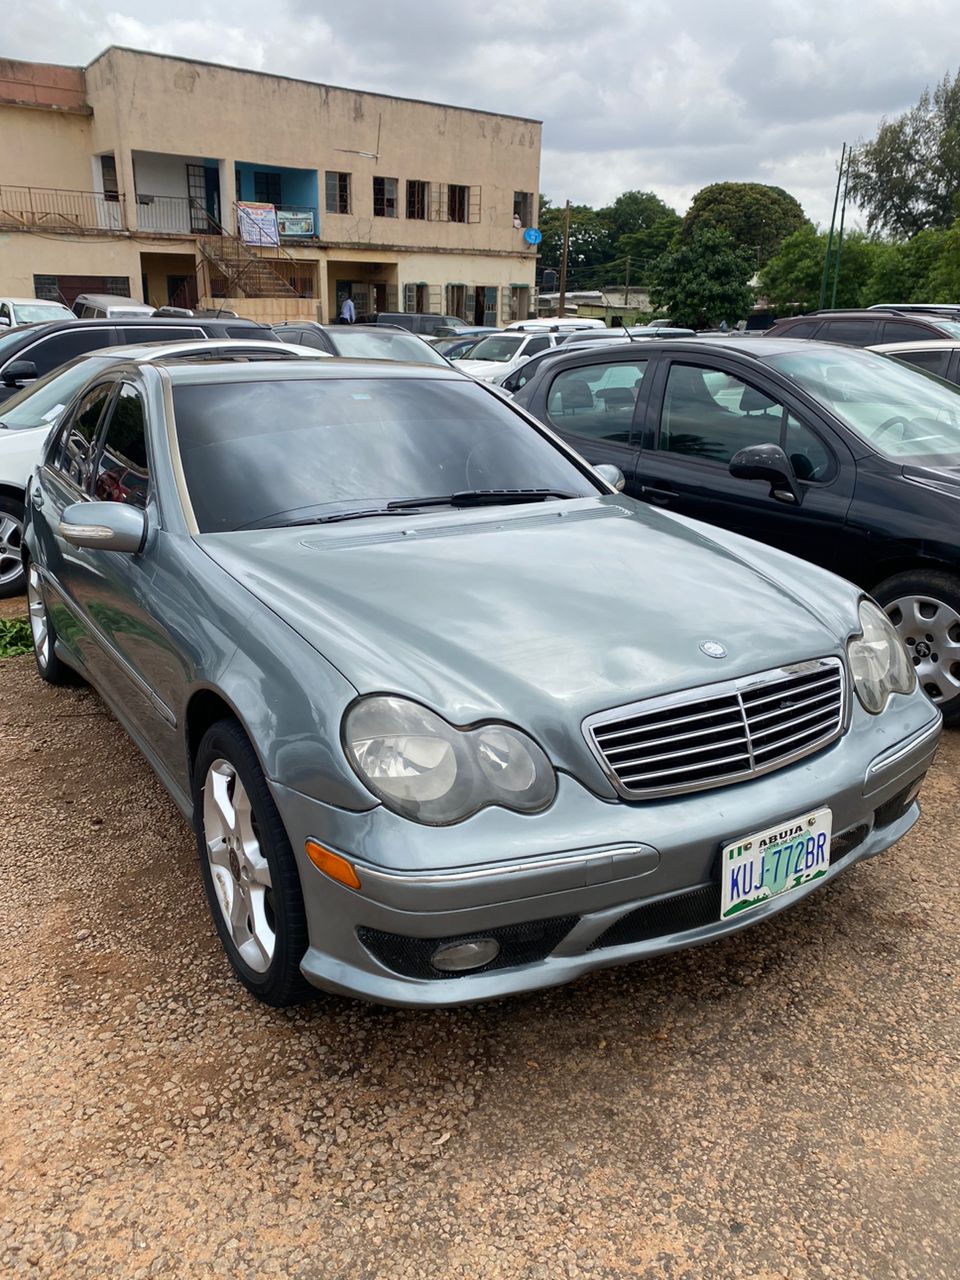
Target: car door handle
[(36, 497), (659, 497)]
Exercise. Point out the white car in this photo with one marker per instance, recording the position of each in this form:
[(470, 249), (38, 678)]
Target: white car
[(553, 323), (27, 418), (501, 353), (17, 311)]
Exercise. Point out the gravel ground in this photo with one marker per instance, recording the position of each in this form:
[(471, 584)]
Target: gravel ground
[(781, 1105)]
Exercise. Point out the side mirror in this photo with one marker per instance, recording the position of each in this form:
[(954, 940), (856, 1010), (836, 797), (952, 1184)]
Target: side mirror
[(104, 526), (5, 322), (613, 475), (18, 372), (767, 462)]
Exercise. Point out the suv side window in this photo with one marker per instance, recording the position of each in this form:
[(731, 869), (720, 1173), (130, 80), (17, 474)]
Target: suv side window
[(5, 313), (905, 331), (710, 414), (596, 400), (536, 345), (802, 329), (74, 450), (49, 353), (159, 333), (122, 471), (930, 361), (858, 333)]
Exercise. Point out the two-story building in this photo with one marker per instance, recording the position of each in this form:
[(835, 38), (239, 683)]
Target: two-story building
[(187, 183)]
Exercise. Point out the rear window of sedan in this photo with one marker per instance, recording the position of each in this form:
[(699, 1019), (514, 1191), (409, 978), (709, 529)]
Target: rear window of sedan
[(283, 451)]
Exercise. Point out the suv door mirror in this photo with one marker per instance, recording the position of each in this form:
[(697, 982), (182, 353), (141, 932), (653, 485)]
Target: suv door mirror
[(18, 372), (104, 526), (767, 462)]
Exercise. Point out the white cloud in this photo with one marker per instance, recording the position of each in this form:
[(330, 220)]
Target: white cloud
[(631, 94)]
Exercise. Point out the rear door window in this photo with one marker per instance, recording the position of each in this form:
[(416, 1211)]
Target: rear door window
[(905, 331), (536, 345), (802, 329), (937, 362), (55, 350), (857, 333), (596, 400), (159, 333)]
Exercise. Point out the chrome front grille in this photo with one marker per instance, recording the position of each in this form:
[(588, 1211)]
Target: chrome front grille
[(720, 733)]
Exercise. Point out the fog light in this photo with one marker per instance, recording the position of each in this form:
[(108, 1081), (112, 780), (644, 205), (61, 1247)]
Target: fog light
[(456, 957)]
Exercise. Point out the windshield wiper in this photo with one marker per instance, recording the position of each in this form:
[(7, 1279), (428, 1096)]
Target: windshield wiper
[(464, 498)]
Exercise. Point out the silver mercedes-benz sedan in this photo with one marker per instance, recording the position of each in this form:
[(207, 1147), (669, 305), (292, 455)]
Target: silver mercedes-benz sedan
[(450, 716)]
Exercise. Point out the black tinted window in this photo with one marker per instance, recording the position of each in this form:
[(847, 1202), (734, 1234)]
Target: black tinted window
[(250, 331), (56, 350), (932, 361), (906, 331), (596, 400), (122, 466), (74, 451), (305, 447), (536, 345), (802, 329), (858, 333), (310, 338)]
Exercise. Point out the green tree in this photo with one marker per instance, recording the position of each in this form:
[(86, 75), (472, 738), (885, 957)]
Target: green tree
[(754, 216), (704, 280), (908, 177), (790, 281), (589, 242)]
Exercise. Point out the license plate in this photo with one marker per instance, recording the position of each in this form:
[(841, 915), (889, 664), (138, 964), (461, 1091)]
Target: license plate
[(756, 868)]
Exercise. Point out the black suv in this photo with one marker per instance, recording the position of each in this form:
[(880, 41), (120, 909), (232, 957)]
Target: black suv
[(865, 328), (32, 350), (837, 455)]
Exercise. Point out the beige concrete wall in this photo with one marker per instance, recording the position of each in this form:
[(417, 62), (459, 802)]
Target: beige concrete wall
[(45, 149), (23, 255), (145, 102), (267, 310)]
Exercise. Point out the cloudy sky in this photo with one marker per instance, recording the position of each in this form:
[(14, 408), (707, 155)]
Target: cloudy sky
[(633, 93)]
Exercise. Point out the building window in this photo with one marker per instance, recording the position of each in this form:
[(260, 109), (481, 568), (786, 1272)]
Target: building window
[(338, 192), (108, 171), (266, 187), (458, 202), (523, 207), (384, 197), (418, 199)]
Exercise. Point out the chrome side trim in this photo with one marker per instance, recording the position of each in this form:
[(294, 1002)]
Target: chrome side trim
[(886, 759), (470, 875), (735, 689), (110, 650)]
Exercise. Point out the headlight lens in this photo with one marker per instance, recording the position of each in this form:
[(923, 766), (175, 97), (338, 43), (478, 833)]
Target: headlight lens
[(427, 770), (879, 664)]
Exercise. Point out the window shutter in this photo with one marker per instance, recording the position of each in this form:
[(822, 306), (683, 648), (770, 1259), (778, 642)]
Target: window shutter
[(438, 201), (434, 299), (409, 297), (471, 305), (392, 292), (473, 205)]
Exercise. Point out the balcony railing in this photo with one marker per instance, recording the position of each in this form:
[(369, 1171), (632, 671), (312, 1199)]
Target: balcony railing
[(50, 209), (173, 215)]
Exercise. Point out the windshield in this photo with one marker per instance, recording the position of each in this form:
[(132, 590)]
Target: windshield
[(902, 412), (42, 402), (252, 451), (386, 345), (498, 347), (33, 312)]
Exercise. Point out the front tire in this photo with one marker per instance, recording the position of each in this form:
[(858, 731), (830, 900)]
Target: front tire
[(925, 609), (43, 633), (248, 868), (12, 577)]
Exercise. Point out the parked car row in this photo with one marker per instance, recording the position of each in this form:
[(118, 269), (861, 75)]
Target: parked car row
[(421, 676)]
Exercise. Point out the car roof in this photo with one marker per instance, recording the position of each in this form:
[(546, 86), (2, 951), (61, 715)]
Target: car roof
[(862, 313), (35, 328), (147, 351), (328, 367), (929, 344), (35, 302)]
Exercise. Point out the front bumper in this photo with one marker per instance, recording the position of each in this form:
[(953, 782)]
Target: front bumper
[(589, 883)]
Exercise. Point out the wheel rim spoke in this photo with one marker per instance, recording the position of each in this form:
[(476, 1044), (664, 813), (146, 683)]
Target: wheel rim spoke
[(37, 613), (930, 630), (240, 872), (11, 541)]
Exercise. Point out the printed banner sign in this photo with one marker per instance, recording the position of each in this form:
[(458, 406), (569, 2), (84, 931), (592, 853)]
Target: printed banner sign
[(257, 223), (296, 222)]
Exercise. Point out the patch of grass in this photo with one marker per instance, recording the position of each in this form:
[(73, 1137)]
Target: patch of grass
[(14, 637)]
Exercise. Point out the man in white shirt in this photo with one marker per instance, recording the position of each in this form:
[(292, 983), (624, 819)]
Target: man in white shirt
[(348, 312)]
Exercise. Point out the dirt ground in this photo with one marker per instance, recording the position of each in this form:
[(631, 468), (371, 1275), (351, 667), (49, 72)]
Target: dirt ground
[(782, 1105)]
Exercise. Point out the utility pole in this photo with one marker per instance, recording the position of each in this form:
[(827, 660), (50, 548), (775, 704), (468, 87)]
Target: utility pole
[(843, 214), (561, 305), (833, 218), (626, 285)]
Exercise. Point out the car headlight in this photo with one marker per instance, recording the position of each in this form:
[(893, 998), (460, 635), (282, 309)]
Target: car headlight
[(430, 771), (879, 664)]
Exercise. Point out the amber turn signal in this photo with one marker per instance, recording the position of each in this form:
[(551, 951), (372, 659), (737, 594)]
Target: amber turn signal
[(332, 865)]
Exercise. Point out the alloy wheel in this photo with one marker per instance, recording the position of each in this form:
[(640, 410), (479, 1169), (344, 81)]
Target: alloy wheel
[(37, 611), (930, 630), (11, 540), (240, 872)]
